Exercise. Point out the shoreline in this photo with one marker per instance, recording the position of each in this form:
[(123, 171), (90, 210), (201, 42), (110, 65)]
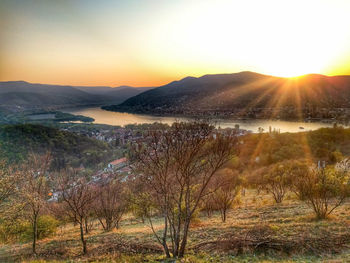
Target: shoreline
[(231, 118), (122, 119)]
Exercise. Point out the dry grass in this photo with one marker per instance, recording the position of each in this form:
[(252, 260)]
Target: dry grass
[(257, 231)]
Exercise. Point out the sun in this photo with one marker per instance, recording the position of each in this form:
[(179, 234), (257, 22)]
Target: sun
[(282, 38), (295, 62)]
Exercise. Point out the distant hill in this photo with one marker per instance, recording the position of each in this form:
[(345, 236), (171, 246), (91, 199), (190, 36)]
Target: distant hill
[(105, 90), (244, 94), (21, 95)]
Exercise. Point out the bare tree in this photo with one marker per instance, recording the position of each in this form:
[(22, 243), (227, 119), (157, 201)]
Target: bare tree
[(209, 205), (177, 164), (276, 182), (78, 196), (110, 204), (226, 189), (34, 189), (278, 178)]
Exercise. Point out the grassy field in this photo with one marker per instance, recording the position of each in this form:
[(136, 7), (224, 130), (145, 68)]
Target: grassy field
[(256, 231)]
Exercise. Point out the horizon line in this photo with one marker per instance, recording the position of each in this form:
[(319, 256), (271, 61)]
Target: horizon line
[(146, 86)]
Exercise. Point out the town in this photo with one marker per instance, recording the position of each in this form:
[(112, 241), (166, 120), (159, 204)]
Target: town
[(122, 138)]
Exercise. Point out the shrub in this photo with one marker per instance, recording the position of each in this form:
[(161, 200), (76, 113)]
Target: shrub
[(276, 179), (22, 231), (209, 205), (227, 190), (13, 231), (47, 226), (324, 189), (110, 204)]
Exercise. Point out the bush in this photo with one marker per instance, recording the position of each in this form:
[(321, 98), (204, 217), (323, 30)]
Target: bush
[(22, 230), (13, 231), (277, 178), (47, 226), (324, 189), (226, 192)]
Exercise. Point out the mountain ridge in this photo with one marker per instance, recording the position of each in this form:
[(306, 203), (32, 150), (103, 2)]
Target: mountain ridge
[(244, 94), (22, 95)]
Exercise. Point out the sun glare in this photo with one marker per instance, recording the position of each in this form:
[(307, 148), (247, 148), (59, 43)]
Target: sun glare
[(283, 38)]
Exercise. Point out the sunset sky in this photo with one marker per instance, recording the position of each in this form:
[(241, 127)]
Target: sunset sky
[(152, 42)]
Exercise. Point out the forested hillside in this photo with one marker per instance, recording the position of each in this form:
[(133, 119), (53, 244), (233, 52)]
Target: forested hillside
[(329, 144), (16, 141)]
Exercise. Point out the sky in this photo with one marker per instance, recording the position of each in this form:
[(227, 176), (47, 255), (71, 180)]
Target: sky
[(153, 42)]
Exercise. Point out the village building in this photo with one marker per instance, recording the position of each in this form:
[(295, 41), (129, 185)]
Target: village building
[(117, 164)]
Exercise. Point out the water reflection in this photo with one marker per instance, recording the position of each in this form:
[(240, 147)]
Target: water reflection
[(121, 119)]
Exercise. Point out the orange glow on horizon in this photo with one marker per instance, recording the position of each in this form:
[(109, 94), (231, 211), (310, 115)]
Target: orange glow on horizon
[(114, 43)]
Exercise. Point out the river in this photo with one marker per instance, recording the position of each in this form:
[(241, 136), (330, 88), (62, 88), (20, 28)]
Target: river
[(121, 119)]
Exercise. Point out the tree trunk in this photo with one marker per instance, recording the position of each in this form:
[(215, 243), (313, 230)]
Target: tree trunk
[(117, 224), (166, 250), (223, 215), (184, 238), (35, 232), (83, 241), (102, 224), (278, 199), (108, 224), (86, 226), (209, 214), (176, 246), (165, 245)]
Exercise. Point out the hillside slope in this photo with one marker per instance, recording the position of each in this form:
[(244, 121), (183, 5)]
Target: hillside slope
[(21, 95), (245, 93), (17, 141)]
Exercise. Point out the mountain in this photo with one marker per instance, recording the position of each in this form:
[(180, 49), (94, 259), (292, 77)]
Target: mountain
[(21, 95), (94, 89), (124, 92), (105, 90), (244, 94)]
